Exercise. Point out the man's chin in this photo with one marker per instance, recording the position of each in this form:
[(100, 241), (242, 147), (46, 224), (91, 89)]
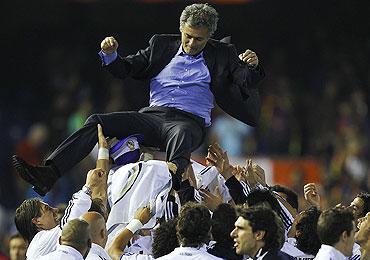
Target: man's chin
[(191, 52)]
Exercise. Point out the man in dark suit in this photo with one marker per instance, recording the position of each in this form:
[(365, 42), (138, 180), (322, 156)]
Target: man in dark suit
[(259, 234), (186, 74)]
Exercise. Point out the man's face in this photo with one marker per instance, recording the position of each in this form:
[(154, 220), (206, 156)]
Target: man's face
[(362, 236), (244, 238), (193, 39), (293, 232), (17, 249), (358, 207), (48, 218)]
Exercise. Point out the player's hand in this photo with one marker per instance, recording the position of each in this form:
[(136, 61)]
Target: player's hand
[(95, 177), (250, 58), (143, 215), (101, 138), (109, 45), (212, 201), (218, 158), (255, 174), (312, 195)]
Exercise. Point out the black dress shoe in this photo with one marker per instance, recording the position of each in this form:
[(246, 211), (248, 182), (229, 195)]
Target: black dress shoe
[(41, 177)]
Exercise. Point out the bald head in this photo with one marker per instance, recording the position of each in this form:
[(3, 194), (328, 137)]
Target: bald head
[(76, 233), (98, 231)]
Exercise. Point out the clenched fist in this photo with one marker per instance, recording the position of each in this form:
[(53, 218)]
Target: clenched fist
[(250, 58), (109, 45)]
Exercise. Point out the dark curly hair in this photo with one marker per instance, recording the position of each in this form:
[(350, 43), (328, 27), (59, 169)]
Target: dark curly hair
[(291, 196), (264, 219), (164, 238), (194, 224), (263, 197), (223, 220), (307, 239)]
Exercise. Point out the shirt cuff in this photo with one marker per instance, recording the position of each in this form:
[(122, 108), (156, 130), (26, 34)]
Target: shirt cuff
[(107, 58)]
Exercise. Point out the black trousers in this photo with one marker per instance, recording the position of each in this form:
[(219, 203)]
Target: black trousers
[(172, 130)]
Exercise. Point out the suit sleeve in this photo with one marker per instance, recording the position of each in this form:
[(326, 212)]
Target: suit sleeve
[(242, 75), (236, 190), (132, 66), (244, 88)]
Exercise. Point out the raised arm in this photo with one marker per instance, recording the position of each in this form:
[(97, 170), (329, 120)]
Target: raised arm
[(115, 249)]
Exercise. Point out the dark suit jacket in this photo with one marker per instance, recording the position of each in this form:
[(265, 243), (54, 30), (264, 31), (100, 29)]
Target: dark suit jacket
[(232, 82), (277, 255)]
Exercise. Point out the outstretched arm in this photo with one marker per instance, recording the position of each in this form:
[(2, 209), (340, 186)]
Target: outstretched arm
[(131, 66), (218, 158), (142, 216)]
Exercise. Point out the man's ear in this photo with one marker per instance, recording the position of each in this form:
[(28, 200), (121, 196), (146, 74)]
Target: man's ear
[(344, 236), (36, 222), (259, 234), (102, 233)]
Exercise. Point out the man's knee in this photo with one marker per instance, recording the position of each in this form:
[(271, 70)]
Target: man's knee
[(93, 119)]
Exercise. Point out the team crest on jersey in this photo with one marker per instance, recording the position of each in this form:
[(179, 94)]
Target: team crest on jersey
[(131, 145)]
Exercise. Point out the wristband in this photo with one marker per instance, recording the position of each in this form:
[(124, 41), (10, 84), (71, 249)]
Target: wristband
[(103, 154), (134, 225)]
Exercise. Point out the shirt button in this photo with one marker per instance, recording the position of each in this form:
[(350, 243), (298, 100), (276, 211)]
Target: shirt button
[(172, 99)]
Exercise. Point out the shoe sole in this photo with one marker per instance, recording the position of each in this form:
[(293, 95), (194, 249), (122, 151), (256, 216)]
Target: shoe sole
[(22, 168)]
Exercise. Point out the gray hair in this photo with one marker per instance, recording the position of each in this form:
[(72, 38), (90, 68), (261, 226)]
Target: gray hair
[(200, 15)]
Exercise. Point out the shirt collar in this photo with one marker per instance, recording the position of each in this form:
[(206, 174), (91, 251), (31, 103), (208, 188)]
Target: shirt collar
[(180, 52), (98, 250), (70, 250), (202, 248), (338, 254), (260, 255)]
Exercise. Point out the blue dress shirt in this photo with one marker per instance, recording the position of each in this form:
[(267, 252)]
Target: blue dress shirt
[(183, 84)]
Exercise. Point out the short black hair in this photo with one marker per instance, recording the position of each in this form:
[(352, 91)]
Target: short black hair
[(263, 197), (264, 219), (292, 197), (223, 220), (29, 209), (194, 224), (365, 196), (308, 240), (164, 238), (332, 223)]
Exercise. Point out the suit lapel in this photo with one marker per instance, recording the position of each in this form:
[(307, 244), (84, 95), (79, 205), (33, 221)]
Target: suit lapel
[(168, 54), (209, 56), (161, 58)]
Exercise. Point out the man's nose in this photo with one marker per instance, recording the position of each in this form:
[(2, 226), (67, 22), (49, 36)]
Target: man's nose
[(232, 233), (191, 42)]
